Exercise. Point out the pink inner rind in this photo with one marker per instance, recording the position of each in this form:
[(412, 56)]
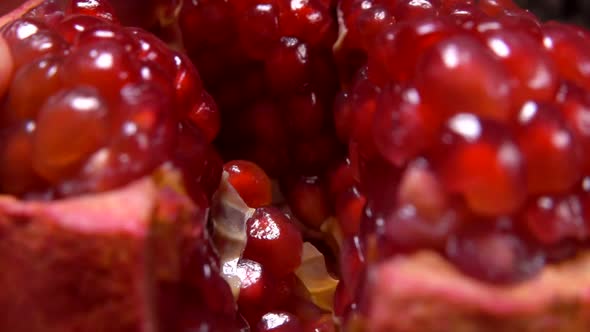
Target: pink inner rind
[(73, 265)]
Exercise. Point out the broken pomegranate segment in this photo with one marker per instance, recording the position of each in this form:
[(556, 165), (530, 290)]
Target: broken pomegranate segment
[(463, 120), (106, 178)]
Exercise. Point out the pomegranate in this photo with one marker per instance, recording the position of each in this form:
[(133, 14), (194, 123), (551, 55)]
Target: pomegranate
[(436, 147)]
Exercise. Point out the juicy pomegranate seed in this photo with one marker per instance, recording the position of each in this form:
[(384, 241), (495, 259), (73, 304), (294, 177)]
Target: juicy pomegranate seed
[(482, 161), (273, 241), (308, 200), (96, 8), (553, 219), (550, 149), (492, 252), (82, 111), (25, 102), (250, 181), (570, 52), (404, 126), (533, 69), (277, 321), (458, 75)]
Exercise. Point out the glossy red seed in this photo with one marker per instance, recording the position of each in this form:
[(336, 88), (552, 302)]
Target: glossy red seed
[(407, 228), (404, 126), (287, 67), (398, 49), (313, 155), (79, 113), (570, 52), (105, 65), (310, 21), (16, 174), (523, 56), (107, 32), (349, 207), (205, 116), (305, 115), (411, 10), (550, 149), (341, 178), (250, 181), (307, 197), (30, 39), (492, 252), (98, 8), (482, 161), (256, 288), (574, 104), (25, 102), (460, 75), (496, 7), (72, 26), (273, 241), (258, 25), (554, 219), (277, 321)]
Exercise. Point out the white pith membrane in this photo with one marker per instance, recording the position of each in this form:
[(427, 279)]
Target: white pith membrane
[(229, 216)]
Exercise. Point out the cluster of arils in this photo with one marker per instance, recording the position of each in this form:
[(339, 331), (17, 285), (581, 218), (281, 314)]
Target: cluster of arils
[(93, 105), (268, 65), (466, 125)]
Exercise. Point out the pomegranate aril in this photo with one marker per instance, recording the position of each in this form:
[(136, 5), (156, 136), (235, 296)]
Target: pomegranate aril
[(24, 102), (458, 75), (574, 104), (411, 10), (398, 48), (533, 69), (107, 32), (349, 208), (81, 112), (250, 181), (482, 161), (553, 219), (492, 252), (274, 241), (205, 116), (310, 21), (308, 200), (72, 26), (105, 64), (17, 175), (403, 126), (30, 40), (287, 67), (277, 321), (570, 52), (550, 149), (98, 8), (305, 115), (258, 25)]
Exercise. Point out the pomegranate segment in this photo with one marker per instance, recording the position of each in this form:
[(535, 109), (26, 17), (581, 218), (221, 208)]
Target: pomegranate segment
[(106, 179), (466, 131)]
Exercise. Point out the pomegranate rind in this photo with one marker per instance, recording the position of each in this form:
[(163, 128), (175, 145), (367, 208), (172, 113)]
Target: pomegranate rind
[(75, 264), (424, 292)]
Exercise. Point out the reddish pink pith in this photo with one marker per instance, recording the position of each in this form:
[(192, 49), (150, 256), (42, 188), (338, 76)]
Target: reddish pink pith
[(466, 133), (104, 106)]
